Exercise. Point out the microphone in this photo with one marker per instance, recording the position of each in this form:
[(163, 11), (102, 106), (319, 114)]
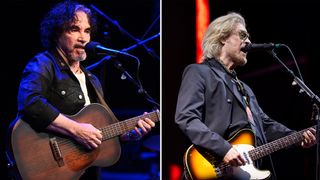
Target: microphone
[(255, 47), (96, 49)]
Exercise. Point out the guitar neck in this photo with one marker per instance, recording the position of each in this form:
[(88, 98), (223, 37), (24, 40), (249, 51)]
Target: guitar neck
[(121, 127), (276, 145)]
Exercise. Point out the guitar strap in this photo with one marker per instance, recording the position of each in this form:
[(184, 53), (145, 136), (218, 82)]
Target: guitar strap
[(242, 91), (103, 102), (253, 121), (255, 125)]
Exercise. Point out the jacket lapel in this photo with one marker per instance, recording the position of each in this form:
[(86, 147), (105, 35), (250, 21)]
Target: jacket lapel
[(228, 81)]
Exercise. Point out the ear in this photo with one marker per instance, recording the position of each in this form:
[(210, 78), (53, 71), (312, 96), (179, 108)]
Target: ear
[(223, 41)]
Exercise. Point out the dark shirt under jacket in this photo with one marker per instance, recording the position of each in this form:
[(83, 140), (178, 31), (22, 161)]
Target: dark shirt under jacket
[(48, 87), (210, 109)]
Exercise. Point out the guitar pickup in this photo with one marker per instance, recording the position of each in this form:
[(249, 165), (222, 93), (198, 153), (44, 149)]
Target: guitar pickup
[(56, 151)]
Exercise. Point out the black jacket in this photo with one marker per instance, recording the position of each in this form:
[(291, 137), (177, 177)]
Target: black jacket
[(48, 87)]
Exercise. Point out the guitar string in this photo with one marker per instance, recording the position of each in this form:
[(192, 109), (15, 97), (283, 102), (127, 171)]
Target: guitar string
[(76, 146), (65, 149), (105, 130), (278, 144), (288, 140)]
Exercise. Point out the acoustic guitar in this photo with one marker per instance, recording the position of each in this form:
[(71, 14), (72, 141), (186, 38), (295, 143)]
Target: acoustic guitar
[(44, 155)]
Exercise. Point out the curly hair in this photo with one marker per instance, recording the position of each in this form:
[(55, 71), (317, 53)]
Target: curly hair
[(59, 19)]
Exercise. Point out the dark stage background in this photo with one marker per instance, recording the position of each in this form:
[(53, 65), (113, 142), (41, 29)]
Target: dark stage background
[(287, 22), (137, 18)]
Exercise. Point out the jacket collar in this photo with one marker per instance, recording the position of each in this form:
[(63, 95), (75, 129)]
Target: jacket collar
[(55, 55)]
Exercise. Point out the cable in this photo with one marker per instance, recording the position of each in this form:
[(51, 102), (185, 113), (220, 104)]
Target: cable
[(295, 61)]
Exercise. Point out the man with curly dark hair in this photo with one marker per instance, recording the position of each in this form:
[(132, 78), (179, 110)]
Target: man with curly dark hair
[(54, 84)]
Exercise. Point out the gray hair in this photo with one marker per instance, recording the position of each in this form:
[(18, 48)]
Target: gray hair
[(218, 30)]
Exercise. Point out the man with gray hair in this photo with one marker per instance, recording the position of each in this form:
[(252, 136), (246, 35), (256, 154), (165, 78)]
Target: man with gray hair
[(218, 112)]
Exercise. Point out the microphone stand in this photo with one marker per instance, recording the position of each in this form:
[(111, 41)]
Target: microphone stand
[(140, 43), (317, 119), (126, 75), (123, 50), (141, 90), (115, 23), (92, 66), (315, 99)]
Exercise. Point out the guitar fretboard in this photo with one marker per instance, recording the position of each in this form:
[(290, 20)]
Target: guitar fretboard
[(276, 145), (121, 127)]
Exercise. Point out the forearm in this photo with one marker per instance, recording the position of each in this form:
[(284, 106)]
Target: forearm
[(63, 125), (84, 133)]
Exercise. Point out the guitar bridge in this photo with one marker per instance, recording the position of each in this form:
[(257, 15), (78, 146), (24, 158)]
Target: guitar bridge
[(56, 151)]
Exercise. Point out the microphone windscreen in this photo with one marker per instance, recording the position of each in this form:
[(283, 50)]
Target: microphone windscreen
[(90, 47)]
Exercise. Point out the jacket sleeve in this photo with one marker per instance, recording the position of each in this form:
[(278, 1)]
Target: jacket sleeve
[(190, 111), (33, 106)]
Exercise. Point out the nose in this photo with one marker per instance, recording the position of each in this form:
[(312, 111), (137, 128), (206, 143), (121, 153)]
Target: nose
[(81, 41), (247, 41), (83, 38)]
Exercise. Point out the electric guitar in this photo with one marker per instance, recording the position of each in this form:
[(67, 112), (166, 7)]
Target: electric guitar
[(44, 155), (201, 164)]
